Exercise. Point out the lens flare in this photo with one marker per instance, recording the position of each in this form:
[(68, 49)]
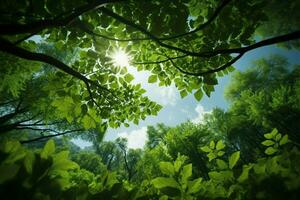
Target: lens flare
[(120, 58)]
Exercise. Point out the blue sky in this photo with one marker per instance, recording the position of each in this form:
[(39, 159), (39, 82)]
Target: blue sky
[(176, 110)]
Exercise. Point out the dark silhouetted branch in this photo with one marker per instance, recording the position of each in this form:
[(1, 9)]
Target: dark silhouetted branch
[(49, 136), (208, 54), (228, 64), (200, 27), (8, 47), (205, 24), (274, 40), (159, 61), (13, 29)]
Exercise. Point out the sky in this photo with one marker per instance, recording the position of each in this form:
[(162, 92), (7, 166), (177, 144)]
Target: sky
[(176, 110)]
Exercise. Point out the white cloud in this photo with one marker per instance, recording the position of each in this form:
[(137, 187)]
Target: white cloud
[(200, 114), (168, 95), (136, 138), (81, 143), (162, 95)]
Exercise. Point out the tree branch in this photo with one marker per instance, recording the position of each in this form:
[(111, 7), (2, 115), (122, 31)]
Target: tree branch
[(25, 38), (228, 64), (274, 40), (126, 162), (205, 24), (208, 54), (141, 29), (159, 61), (13, 29), (8, 47), (84, 28), (200, 27), (9, 116), (50, 136)]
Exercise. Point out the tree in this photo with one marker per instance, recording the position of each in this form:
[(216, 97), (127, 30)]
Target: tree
[(24, 109), (156, 135), (89, 161), (281, 16), (209, 34), (263, 97)]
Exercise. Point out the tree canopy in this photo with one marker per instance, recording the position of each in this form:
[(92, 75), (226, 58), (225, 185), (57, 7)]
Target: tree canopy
[(70, 46), (65, 70)]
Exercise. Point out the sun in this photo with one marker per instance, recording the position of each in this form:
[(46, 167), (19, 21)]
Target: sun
[(120, 58)]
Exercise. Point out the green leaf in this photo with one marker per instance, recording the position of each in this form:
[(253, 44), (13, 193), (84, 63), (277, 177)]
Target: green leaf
[(183, 93), (233, 159), (84, 109), (230, 68), (8, 172), (77, 110), (123, 70), (272, 134), (268, 143), (29, 162), (245, 173), (274, 131), (152, 79), (220, 153), (198, 94), (164, 197), (221, 164), (215, 175), (62, 155), (270, 150), (162, 182), (48, 149), (63, 164), (194, 186), (92, 54), (206, 149), (171, 191), (284, 140), (220, 145), (15, 156), (212, 144), (10, 146), (88, 122), (128, 78), (211, 156), (260, 168), (166, 168), (186, 172), (268, 136), (178, 162), (210, 79), (278, 137)]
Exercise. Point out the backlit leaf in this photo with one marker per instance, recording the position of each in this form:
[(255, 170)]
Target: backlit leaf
[(268, 143), (220, 145), (186, 172), (194, 186), (152, 79), (166, 168), (162, 182), (284, 140), (48, 149), (198, 94), (270, 150), (233, 159)]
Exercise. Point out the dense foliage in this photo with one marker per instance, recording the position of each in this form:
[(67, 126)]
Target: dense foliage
[(48, 175), (229, 155), (60, 78)]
